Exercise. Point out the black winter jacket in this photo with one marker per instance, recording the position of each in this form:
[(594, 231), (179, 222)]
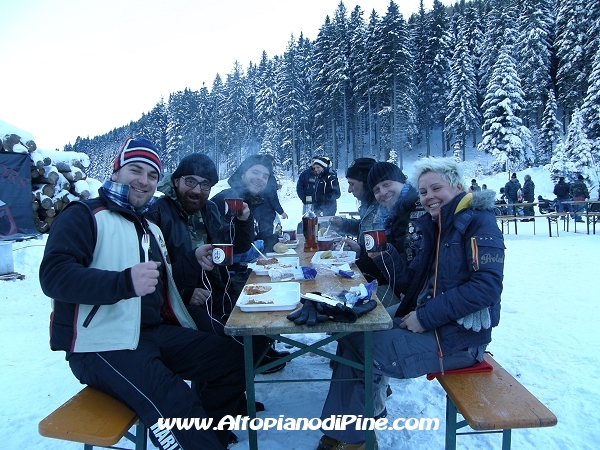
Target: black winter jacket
[(170, 216), (263, 212), (511, 190)]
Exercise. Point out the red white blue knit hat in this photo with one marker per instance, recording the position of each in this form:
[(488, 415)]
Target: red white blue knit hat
[(138, 150)]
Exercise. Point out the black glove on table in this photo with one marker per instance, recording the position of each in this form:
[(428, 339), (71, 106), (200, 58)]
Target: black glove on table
[(342, 313), (308, 314)]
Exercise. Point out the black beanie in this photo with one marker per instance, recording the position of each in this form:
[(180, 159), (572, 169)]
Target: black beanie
[(382, 171), (359, 169), (199, 165)]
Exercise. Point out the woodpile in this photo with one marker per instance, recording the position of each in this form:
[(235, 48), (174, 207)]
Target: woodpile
[(57, 178)]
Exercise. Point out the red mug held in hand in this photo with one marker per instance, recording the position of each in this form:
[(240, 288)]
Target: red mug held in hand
[(375, 241), (234, 206), (222, 254)]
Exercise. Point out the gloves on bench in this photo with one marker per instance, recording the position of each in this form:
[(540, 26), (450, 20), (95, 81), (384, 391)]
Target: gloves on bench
[(477, 320)]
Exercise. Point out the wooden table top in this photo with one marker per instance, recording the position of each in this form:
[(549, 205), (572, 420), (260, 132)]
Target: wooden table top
[(326, 282)]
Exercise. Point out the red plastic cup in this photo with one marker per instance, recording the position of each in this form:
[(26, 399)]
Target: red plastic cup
[(289, 235), (325, 243), (222, 254), (375, 241), (234, 206)]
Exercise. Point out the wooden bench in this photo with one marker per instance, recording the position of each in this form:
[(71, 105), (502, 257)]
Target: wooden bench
[(491, 402), (94, 419)]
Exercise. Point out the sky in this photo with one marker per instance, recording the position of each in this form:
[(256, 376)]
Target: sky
[(81, 68), (547, 339)]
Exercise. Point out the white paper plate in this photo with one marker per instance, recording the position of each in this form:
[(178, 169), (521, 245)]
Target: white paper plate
[(345, 257), (281, 297), (284, 262)]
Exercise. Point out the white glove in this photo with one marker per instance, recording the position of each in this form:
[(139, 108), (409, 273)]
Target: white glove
[(477, 320)]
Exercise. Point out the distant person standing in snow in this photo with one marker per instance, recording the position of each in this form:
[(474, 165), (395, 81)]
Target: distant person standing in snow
[(474, 186), (579, 192), (511, 193), (528, 196), (320, 182), (562, 190)]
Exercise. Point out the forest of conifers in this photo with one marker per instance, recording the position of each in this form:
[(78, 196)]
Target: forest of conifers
[(517, 79)]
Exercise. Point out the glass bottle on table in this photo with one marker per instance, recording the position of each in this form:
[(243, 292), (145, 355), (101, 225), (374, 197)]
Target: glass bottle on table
[(309, 227)]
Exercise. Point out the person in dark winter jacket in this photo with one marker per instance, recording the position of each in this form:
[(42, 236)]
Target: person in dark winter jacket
[(190, 221), (120, 319), (452, 301), (528, 196), (250, 182), (579, 192), (320, 182), (562, 190), (511, 192), (474, 186), (399, 208), (357, 174)]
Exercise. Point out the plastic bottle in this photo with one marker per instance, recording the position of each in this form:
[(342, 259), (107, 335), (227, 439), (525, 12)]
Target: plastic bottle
[(309, 227)]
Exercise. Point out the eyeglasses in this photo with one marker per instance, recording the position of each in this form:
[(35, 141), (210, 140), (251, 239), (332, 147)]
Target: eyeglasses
[(192, 183)]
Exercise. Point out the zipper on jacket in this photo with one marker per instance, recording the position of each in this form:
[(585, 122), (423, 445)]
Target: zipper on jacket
[(90, 316), (437, 260)]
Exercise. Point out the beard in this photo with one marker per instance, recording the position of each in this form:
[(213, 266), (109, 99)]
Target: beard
[(192, 203)]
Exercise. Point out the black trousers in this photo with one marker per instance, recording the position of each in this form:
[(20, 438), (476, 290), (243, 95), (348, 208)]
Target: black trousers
[(150, 380)]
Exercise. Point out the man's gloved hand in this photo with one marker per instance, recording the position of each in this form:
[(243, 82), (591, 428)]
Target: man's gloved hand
[(308, 314), (477, 320)]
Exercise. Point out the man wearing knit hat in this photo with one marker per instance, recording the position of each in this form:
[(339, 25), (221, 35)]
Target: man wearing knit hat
[(399, 207), (320, 183), (189, 221), (511, 193), (120, 319), (368, 211), (250, 182)]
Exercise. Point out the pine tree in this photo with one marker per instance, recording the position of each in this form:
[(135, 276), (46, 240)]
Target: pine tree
[(504, 136), (578, 150), (590, 110), (570, 44), (550, 135), (395, 82), (534, 57), (462, 117)]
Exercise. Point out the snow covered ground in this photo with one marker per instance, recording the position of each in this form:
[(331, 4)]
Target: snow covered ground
[(547, 339)]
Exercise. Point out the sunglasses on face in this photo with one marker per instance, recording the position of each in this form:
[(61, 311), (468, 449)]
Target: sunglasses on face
[(192, 183)]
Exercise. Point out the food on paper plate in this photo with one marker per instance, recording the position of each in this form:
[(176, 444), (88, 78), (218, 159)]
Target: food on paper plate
[(256, 289), (268, 261), (253, 301), (280, 247), (327, 255)]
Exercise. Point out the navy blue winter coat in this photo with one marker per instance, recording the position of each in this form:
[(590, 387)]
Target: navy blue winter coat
[(469, 271)]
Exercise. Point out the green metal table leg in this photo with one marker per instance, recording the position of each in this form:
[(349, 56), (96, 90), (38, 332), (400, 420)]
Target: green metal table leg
[(451, 416), (250, 393), (506, 439), (368, 363)]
